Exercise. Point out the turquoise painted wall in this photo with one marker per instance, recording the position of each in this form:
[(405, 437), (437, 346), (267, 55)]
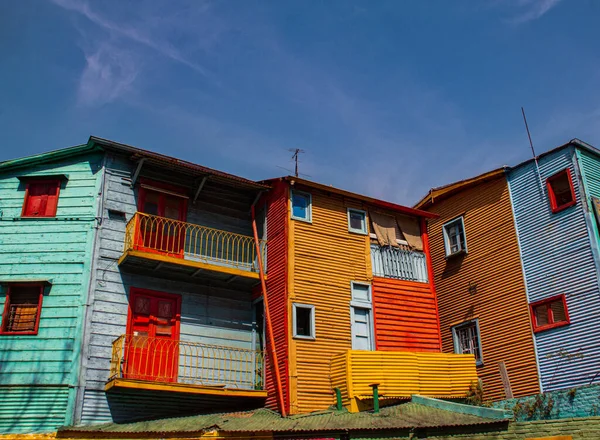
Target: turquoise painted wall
[(39, 373), (573, 402)]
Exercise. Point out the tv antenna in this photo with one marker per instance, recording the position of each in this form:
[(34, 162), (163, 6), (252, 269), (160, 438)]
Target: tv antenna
[(535, 159), (295, 156)]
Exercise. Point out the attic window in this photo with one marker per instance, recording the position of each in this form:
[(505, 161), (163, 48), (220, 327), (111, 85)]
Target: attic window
[(41, 198), (560, 190)]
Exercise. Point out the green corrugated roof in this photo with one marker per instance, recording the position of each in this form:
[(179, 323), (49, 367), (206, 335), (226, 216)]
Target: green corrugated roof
[(404, 416)]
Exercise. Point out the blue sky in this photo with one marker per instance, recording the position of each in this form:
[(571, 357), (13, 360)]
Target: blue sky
[(388, 98)]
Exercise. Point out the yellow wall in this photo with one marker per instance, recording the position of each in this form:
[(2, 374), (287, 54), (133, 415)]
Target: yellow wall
[(324, 257), (400, 374)]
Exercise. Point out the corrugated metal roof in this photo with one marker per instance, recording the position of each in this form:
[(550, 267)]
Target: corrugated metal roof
[(404, 416)]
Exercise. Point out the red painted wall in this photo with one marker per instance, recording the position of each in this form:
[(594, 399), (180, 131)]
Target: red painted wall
[(276, 201), (405, 316)]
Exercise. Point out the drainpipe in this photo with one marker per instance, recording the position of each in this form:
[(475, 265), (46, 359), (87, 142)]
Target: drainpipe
[(338, 399), (268, 314), (375, 387)]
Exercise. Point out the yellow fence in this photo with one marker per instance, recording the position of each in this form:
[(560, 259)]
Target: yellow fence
[(400, 374), (172, 361), (174, 238)]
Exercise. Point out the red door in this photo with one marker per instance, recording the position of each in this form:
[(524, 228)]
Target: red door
[(152, 348), (163, 231)]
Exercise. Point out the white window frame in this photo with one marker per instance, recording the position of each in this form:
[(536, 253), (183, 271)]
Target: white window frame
[(313, 334), (308, 208), (360, 304), (447, 245), (456, 341), (364, 230)]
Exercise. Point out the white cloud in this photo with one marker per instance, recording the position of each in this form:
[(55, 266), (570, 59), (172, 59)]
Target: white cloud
[(109, 74), (533, 9)]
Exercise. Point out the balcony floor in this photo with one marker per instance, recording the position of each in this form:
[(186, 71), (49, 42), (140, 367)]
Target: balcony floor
[(181, 268), (134, 400)]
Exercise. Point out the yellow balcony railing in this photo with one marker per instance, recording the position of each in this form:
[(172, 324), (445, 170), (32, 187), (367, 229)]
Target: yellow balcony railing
[(161, 235), (171, 361), (400, 374)]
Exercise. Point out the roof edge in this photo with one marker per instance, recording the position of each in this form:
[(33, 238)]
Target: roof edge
[(443, 192), (48, 156), (373, 201), (479, 411)]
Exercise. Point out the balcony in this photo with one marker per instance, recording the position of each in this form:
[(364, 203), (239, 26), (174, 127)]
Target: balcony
[(186, 249), (399, 262), (399, 375), (213, 373)]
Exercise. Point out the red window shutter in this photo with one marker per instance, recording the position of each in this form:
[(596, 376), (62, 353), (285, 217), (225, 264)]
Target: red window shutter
[(41, 198)]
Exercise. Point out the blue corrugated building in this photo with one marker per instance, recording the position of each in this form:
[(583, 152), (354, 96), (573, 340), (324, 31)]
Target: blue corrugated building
[(557, 226)]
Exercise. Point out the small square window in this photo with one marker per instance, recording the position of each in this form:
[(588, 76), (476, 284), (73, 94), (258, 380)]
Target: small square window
[(41, 198), (560, 190), (304, 321), (22, 309), (549, 313), (357, 221), (467, 340), (361, 292), (454, 237), (301, 206)]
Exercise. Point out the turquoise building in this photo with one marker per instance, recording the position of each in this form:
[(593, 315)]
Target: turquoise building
[(48, 224)]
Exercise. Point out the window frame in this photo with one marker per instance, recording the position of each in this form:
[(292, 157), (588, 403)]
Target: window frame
[(366, 305), (313, 329), (552, 198), (41, 180), (447, 245), (365, 229), (456, 342), (10, 287), (308, 219), (536, 328)]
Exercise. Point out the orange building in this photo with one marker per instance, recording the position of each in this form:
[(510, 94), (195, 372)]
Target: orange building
[(479, 281), (351, 301)]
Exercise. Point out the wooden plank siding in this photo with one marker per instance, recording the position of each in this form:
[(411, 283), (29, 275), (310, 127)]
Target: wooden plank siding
[(497, 298), (558, 258), (277, 261), (326, 259), (39, 373), (405, 316), (211, 313)]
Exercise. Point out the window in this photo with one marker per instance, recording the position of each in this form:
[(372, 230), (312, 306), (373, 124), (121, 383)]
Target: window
[(22, 308), (41, 198), (357, 221), (454, 237), (301, 206), (549, 313), (304, 321), (361, 317), (467, 340), (560, 190)]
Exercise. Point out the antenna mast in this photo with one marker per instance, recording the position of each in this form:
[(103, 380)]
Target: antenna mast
[(296, 152), (537, 166)]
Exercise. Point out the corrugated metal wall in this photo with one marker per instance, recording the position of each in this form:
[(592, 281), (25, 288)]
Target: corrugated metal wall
[(497, 298), (56, 249), (326, 259), (32, 408), (557, 259), (405, 315), (401, 374), (277, 218)]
